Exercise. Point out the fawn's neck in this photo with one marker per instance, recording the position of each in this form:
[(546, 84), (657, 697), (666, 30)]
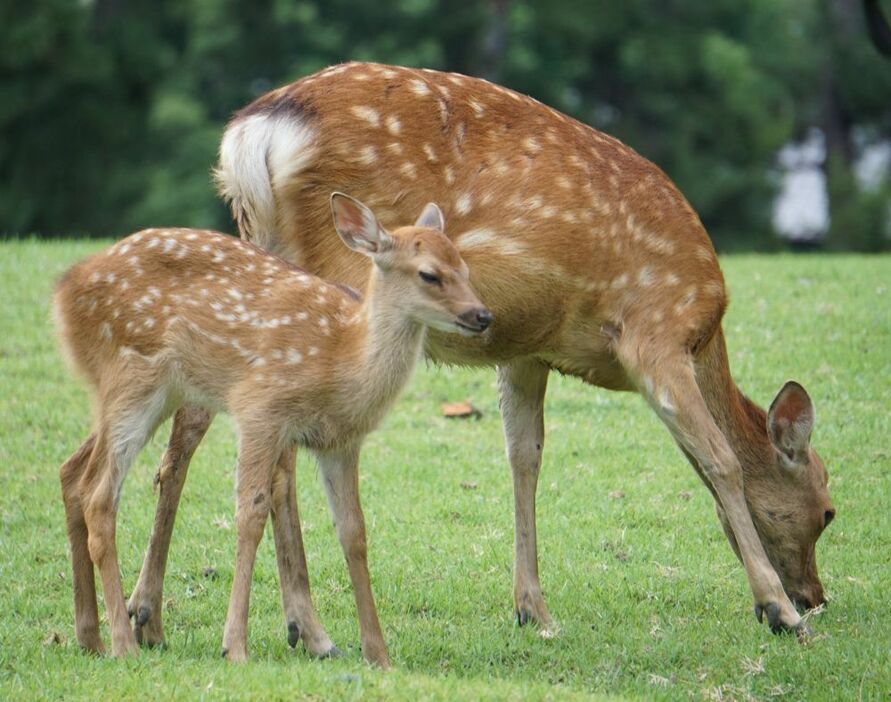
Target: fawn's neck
[(388, 349)]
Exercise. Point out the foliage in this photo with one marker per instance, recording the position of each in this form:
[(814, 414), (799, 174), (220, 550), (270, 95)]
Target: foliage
[(111, 110), (652, 602)]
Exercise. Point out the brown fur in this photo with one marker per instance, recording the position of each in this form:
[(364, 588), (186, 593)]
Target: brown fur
[(590, 259), (169, 318)]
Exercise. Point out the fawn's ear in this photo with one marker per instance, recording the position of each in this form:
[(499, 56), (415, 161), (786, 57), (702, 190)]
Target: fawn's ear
[(357, 225), (431, 218), (790, 422)]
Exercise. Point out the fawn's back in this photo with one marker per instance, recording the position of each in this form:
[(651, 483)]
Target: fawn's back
[(199, 312)]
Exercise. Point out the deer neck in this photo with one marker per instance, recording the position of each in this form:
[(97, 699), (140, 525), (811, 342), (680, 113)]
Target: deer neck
[(742, 422), (390, 347)]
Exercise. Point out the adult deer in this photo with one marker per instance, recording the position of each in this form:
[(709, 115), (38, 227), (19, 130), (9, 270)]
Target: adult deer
[(173, 316), (592, 263)]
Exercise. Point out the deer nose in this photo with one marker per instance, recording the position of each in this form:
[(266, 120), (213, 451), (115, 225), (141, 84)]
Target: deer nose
[(478, 319)]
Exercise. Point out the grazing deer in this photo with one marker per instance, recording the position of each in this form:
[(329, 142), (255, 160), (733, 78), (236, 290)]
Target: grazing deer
[(172, 316), (592, 263)]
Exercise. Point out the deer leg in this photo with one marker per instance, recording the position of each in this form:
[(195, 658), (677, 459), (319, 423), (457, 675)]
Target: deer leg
[(99, 489), (671, 389), (300, 615), (86, 612), (340, 473), (256, 462), (522, 388), (145, 604)]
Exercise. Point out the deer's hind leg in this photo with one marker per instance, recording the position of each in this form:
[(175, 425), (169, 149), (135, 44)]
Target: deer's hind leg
[(667, 381), (145, 605), (86, 613)]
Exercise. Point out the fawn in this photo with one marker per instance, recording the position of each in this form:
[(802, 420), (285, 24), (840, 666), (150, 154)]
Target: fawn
[(593, 264), (171, 317)]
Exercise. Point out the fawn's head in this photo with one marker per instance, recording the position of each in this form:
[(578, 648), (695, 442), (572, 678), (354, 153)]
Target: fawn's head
[(419, 265), (789, 500)]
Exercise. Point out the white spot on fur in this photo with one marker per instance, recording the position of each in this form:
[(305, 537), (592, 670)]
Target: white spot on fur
[(394, 126), (105, 330), (294, 357), (368, 155), (645, 277), (476, 237), (478, 109), (313, 351), (369, 114), (418, 87), (408, 170), (619, 281), (430, 153), (449, 175), (463, 204), (531, 144), (395, 147)]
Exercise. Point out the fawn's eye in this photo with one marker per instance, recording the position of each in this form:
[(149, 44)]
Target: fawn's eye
[(430, 278)]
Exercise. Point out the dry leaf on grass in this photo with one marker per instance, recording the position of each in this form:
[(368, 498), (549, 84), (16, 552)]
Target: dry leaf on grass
[(460, 410)]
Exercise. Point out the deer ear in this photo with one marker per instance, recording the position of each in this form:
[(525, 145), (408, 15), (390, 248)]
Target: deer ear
[(431, 217), (790, 422), (357, 225)]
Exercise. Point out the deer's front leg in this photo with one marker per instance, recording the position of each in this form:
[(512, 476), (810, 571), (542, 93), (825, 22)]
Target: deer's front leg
[(340, 474), (522, 387), (671, 390), (189, 426), (300, 615)]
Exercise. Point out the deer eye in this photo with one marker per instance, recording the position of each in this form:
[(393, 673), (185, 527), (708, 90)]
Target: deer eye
[(430, 278)]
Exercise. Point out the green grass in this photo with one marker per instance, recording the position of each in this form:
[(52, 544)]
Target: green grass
[(651, 600)]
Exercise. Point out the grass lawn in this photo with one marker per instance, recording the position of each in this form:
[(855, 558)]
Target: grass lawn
[(634, 565)]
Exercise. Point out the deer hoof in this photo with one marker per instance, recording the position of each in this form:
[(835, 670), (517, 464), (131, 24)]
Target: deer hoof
[(293, 634), (332, 652), (777, 625)]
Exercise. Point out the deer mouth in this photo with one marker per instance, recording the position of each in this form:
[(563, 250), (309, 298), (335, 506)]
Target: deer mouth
[(470, 329)]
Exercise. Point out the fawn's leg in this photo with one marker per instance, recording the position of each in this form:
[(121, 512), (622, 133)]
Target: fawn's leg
[(340, 473), (300, 615), (145, 604), (86, 612), (257, 456), (99, 489), (670, 388), (522, 388)]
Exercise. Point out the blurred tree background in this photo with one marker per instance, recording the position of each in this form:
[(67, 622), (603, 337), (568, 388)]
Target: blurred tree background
[(111, 110)]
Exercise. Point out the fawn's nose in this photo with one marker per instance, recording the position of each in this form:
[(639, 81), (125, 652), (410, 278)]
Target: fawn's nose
[(478, 319)]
